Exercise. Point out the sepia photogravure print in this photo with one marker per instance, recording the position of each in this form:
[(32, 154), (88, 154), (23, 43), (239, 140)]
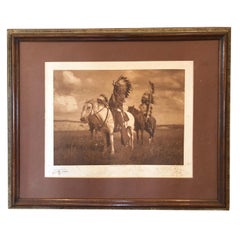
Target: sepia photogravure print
[(118, 119)]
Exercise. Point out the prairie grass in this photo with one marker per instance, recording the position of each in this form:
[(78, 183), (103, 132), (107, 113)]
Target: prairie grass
[(78, 148)]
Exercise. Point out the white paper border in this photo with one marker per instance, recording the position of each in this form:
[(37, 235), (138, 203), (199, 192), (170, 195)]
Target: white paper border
[(119, 171)]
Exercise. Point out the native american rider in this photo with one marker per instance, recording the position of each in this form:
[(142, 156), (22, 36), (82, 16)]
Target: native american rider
[(147, 102), (121, 90)]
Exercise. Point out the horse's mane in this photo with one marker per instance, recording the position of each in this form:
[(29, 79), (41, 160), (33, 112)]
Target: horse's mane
[(122, 85), (93, 102)]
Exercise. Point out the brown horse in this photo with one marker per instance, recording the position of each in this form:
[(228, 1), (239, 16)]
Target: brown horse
[(142, 124)]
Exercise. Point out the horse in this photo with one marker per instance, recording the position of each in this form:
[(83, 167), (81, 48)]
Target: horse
[(100, 117), (141, 124)]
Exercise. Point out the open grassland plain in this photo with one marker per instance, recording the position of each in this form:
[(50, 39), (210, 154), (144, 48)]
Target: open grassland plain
[(77, 147)]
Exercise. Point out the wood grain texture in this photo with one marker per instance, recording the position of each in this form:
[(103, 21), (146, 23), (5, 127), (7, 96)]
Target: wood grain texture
[(18, 198)]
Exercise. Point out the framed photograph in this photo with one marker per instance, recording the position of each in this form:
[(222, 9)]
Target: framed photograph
[(119, 118)]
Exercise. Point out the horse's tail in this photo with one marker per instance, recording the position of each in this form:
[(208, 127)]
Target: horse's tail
[(154, 125), (151, 126)]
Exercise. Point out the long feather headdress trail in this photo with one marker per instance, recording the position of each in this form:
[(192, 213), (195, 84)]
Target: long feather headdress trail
[(122, 86), (152, 90)]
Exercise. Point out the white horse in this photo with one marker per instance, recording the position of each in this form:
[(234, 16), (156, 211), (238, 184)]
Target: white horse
[(101, 118)]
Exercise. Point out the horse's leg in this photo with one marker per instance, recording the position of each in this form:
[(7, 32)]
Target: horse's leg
[(105, 141), (152, 131), (130, 134), (108, 139), (149, 131), (132, 138), (150, 135), (91, 133), (153, 128), (112, 143), (137, 131), (142, 136)]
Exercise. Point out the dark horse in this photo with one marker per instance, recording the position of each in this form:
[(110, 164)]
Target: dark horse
[(142, 124)]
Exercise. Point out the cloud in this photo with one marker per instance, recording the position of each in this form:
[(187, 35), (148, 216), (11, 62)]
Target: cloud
[(66, 83), (70, 78), (65, 104), (72, 88)]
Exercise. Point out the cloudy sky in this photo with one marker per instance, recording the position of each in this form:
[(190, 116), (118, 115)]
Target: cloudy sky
[(73, 88)]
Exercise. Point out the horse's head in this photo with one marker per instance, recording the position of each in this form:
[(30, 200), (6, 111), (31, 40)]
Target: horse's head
[(87, 110), (130, 109), (134, 111)]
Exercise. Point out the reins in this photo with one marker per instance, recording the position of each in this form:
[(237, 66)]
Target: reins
[(105, 117), (98, 117)]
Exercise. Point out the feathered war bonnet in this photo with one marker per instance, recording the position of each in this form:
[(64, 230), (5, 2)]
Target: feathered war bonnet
[(122, 86)]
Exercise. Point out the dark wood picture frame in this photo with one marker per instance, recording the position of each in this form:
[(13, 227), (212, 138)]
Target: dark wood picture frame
[(209, 48)]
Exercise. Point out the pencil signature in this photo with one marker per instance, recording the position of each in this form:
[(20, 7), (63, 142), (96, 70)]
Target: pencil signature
[(59, 172)]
